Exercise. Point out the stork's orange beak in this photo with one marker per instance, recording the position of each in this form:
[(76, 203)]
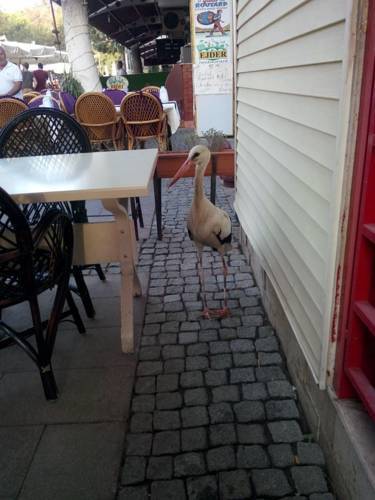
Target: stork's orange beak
[(180, 172)]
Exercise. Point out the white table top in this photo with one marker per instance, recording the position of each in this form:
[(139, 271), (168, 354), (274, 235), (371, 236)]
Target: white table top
[(81, 176)]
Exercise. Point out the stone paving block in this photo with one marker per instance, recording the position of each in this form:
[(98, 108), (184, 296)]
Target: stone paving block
[(269, 358), (193, 439), (143, 403), (191, 379), (167, 338), (168, 400), (145, 385), (189, 326), (168, 490), (225, 393), (167, 383), (309, 479), (133, 493), (166, 442), (266, 331), (152, 329), (269, 373), (210, 324), (271, 482), (227, 333), (220, 413), (281, 455), (254, 392), (280, 389), (166, 420), (251, 457), (138, 444), (196, 363), (200, 349), (155, 317), (189, 464), (251, 434), (196, 397), (176, 316), (281, 410), (133, 471), (252, 320), (249, 411), (202, 488), (174, 366), (207, 335), (149, 368), (321, 496), (246, 332), (221, 361), (222, 434), (171, 298), (149, 341), (188, 337), (242, 345), (267, 344), (170, 327), (149, 353), (310, 454), (234, 485), (238, 375), (194, 416), (141, 422), (285, 431), (173, 307), (248, 301), (219, 347), (221, 459), (215, 377), (160, 468), (173, 351), (241, 359)]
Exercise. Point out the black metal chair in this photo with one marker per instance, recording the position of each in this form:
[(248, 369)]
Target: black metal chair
[(32, 261), (44, 131)]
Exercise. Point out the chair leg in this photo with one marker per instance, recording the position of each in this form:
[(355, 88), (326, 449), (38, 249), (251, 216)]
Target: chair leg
[(44, 354), (100, 273), (134, 217), (139, 211), (157, 196), (75, 313), (83, 291)]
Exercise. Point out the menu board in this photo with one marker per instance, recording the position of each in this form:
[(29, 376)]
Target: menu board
[(212, 46)]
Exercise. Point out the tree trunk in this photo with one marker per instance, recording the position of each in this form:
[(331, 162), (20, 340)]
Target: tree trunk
[(78, 44), (135, 60)]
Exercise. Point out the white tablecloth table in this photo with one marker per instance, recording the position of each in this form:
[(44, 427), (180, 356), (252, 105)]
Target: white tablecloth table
[(107, 176), (172, 112)]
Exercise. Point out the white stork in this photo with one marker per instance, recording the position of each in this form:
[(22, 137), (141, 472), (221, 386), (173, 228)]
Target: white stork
[(207, 224)]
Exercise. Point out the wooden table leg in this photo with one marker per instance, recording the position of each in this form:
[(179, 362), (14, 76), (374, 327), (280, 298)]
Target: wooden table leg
[(157, 196), (130, 284)]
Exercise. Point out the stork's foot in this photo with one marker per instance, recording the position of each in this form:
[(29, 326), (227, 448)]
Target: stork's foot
[(216, 313)]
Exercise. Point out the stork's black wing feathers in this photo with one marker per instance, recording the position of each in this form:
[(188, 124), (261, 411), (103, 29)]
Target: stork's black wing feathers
[(227, 239)]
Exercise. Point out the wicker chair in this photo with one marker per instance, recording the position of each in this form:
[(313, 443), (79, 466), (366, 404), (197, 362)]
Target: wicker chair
[(27, 96), (32, 261), (97, 114), (151, 88), (9, 108), (45, 131), (144, 118)]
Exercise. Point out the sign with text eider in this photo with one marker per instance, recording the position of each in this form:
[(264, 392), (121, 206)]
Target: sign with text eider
[(212, 44)]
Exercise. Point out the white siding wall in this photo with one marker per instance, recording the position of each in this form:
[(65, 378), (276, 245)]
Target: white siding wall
[(289, 81)]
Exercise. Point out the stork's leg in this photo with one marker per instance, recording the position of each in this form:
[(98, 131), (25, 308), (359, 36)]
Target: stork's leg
[(224, 312), (206, 311)]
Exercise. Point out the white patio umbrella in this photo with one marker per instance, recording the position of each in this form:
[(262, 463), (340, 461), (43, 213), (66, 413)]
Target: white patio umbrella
[(18, 52)]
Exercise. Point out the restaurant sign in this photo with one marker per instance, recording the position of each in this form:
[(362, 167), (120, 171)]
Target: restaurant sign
[(212, 46)]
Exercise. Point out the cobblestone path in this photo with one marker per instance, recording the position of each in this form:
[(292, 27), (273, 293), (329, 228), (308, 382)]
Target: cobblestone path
[(213, 412)]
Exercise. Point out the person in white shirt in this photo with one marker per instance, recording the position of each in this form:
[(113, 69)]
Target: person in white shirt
[(120, 70), (10, 77)]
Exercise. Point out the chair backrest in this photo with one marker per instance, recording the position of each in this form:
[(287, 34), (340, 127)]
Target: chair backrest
[(115, 95), (95, 108), (37, 102), (27, 96), (142, 114), (15, 248), (151, 88), (43, 131), (9, 108)]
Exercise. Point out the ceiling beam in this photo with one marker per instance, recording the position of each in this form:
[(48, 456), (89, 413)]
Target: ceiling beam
[(118, 4)]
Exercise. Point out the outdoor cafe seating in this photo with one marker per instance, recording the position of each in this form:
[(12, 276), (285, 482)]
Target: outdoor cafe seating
[(9, 108)]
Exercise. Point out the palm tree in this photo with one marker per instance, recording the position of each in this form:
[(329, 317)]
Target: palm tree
[(78, 44)]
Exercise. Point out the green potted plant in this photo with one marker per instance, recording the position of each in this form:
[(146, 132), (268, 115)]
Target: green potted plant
[(217, 142), (71, 85)]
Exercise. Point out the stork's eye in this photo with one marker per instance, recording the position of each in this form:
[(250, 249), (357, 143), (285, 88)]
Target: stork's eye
[(195, 156)]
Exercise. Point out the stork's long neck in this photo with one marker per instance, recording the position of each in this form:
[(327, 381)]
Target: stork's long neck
[(199, 183)]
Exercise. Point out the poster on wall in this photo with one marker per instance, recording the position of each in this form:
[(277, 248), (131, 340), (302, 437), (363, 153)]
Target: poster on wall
[(212, 46)]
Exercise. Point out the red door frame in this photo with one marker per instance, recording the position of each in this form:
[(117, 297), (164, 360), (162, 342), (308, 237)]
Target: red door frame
[(357, 215)]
